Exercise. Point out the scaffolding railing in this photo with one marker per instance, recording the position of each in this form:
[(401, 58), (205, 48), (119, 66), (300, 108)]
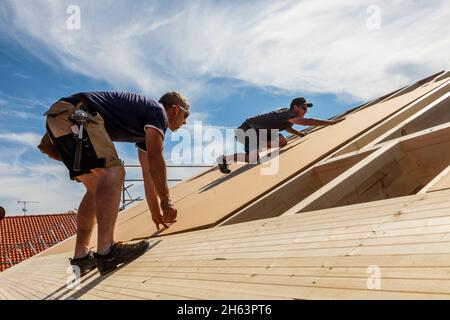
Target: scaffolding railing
[(128, 199)]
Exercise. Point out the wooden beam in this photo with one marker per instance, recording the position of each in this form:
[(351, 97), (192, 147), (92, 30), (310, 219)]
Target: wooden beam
[(440, 182), (395, 119), (287, 195), (400, 167), (436, 113)]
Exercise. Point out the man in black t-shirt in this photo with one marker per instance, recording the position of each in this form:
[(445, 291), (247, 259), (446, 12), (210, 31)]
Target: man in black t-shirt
[(114, 116), (266, 127)]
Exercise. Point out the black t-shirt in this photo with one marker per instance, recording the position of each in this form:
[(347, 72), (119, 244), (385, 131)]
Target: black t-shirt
[(126, 114), (278, 119)]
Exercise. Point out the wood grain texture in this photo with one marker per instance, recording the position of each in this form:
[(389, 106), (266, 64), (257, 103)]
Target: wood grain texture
[(324, 254)]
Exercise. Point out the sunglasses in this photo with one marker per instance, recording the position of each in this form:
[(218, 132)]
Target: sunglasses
[(186, 111)]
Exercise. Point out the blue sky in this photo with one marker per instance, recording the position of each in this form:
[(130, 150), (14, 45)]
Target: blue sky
[(231, 59)]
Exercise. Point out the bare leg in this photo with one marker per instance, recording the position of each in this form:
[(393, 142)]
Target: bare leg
[(107, 201), (86, 216), (85, 225), (282, 142)]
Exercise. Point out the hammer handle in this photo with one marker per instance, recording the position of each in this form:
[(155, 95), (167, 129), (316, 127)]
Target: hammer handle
[(78, 150)]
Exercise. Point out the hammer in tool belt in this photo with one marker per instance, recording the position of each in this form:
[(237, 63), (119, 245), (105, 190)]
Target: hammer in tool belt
[(81, 118)]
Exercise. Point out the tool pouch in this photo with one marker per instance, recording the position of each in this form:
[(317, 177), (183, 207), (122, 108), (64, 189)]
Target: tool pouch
[(59, 124), (58, 118), (46, 146)]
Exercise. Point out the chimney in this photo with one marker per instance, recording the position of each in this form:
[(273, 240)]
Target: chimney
[(2, 213)]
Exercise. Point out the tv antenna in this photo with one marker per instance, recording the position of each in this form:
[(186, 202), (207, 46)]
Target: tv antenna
[(24, 203)]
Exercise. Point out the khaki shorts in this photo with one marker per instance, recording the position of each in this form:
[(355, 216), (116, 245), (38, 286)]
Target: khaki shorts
[(60, 141)]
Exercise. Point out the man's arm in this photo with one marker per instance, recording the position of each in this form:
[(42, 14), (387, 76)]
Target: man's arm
[(314, 122), (150, 192), (158, 172), (295, 132)]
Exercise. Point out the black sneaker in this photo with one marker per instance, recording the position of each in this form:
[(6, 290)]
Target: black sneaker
[(83, 266), (223, 166), (120, 253)]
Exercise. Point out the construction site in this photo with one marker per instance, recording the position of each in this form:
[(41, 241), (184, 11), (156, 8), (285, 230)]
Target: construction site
[(357, 210)]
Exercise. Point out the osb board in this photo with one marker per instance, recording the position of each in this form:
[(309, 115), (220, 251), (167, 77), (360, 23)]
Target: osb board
[(210, 197)]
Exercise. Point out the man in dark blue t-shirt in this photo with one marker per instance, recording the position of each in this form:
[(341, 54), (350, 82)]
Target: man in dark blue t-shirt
[(113, 116)]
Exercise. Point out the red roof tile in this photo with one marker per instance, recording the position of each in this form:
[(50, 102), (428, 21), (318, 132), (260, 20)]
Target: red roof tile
[(24, 236)]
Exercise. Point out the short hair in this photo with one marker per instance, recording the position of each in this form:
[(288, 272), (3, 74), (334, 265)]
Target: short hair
[(172, 98)]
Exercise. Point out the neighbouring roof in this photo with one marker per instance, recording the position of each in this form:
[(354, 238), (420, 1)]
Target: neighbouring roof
[(19, 235)]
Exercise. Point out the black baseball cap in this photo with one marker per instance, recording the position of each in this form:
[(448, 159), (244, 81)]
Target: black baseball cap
[(300, 100)]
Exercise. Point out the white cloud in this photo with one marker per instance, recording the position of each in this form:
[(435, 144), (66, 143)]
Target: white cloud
[(25, 138), (45, 181), (309, 46)]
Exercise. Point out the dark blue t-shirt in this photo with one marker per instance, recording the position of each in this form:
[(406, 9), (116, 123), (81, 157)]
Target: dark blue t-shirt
[(278, 119), (126, 114)]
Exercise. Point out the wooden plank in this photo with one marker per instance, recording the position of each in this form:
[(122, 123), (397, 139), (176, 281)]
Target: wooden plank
[(348, 294), (34, 288), (19, 292), (353, 226), (391, 221), (397, 261), (373, 136), (387, 226), (420, 273), (439, 286), (323, 241), (119, 293), (316, 237), (296, 245), (149, 288), (292, 287)]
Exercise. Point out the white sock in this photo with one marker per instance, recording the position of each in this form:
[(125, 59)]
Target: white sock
[(82, 256), (106, 251)]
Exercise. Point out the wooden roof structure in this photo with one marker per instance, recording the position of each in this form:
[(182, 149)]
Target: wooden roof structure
[(360, 209)]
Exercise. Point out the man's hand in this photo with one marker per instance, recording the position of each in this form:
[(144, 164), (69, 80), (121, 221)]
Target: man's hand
[(337, 120), (158, 219), (169, 211), (295, 132)]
